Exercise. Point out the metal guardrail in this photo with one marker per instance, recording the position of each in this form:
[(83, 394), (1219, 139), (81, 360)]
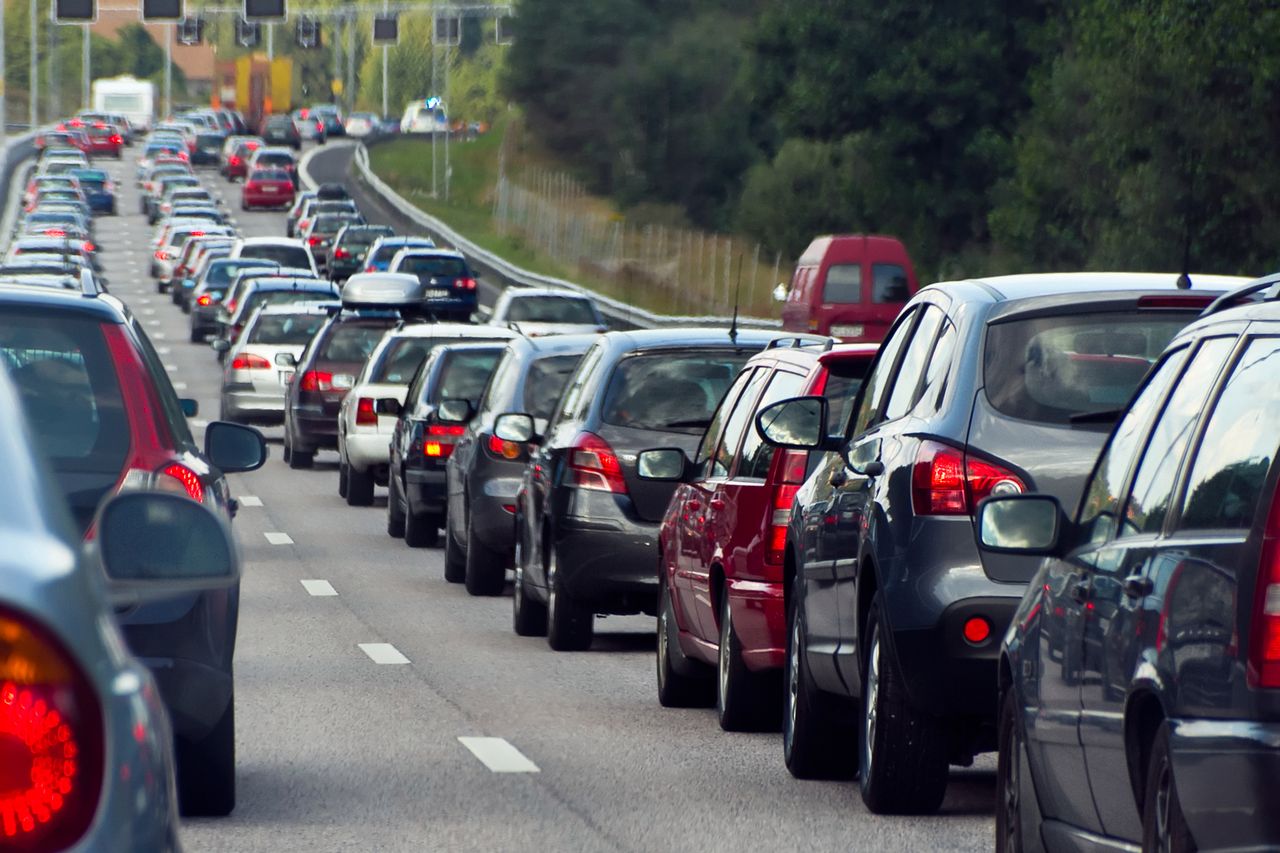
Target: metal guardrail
[(613, 308), (16, 151)]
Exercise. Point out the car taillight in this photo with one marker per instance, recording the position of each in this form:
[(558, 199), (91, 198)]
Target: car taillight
[(370, 268), (792, 469), (947, 481), (465, 284), (316, 380), (341, 253), (441, 439), (233, 160), (365, 415), (302, 224), (88, 247), (181, 480), (51, 740), (116, 139), (313, 240), (1263, 670), (162, 255), (54, 232), (504, 449), (595, 466), (250, 361), (204, 299)]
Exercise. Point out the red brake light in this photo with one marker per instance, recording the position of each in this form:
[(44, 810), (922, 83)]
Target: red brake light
[(316, 380), (183, 480), (365, 415), (505, 449), (54, 232), (1263, 668), (595, 466), (233, 160), (441, 438), (1189, 301), (204, 299), (791, 476), (341, 253), (313, 240), (51, 744), (946, 481), (465, 284), (89, 247), (250, 361), (977, 630)]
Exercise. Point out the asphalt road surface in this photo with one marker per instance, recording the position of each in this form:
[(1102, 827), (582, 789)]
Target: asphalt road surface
[(343, 745)]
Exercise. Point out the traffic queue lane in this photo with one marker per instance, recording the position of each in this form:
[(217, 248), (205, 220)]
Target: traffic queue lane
[(379, 707)]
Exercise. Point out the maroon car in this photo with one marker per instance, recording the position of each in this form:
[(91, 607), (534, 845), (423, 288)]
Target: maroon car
[(267, 188)]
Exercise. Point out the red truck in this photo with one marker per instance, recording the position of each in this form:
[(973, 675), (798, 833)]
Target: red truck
[(849, 286)]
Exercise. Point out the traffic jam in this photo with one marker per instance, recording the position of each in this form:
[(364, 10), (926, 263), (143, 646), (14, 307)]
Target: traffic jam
[(1023, 530)]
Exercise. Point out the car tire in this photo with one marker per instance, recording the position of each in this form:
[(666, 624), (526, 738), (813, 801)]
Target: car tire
[(816, 744), (359, 487), (342, 479), (1009, 777), (421, 530), (570, 626), (903, 760), (296, 458), (1164, 826), (396, 521), (746, 701), (206, 769), (486, 572), (455, 559), (528, 616), (197, 336), (680, 684)]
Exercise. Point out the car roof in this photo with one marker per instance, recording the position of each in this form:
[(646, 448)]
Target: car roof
[(102, 306), (690, 337), (272, 241), (318, 306), (524, 292), (1033, 285), (410, 251), (453, 330)]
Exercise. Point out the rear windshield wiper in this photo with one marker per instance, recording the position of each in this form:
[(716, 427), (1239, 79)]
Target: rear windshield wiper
[(703, 422), (1106, 416)]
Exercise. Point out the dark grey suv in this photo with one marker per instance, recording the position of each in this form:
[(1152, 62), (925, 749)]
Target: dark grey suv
[(984, 387)]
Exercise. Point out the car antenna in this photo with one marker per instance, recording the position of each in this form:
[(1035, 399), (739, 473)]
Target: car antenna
[(737, 293), (1184, 280)]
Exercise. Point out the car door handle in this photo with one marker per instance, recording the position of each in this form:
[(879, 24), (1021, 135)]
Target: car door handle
[(1138, 586), (716, 504)]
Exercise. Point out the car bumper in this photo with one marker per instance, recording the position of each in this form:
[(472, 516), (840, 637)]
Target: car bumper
[(605, 559), (1225, 771), (425, 490), (102, 203), (367, 450), (195, 694), (268, 199), (491, 522), (759, 613), (256, 406), (313, 430)]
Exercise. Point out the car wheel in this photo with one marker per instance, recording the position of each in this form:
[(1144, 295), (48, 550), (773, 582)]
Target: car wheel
[(197, 336), (421, 530), (486, 572), (904, 751), (455, 559), (1009, 778), (528, 617), (746, 701), (342, 479), (680, 685), (300, 458), (1164, 826), (206, 769), (359, 487), (815, 743), (396, 521), (569, 624)]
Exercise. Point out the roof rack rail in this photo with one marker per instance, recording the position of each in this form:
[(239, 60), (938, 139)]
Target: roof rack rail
[(798, 341), (1245, 293)]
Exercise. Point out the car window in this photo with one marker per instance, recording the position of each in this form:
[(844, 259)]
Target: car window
[(937, 371), (550, 309), (878, 382), (175, 419), (1156, 475), (1048, 369), (432, 265), (354, 342), (465, 374), (674, 391), (400, 359), (906, 387), (844, 380), (546, 382), (285, 329), (711, 438), (1239, 445), (737, 424), (285, 256), (573, 399), (843, 284), (756, 454)]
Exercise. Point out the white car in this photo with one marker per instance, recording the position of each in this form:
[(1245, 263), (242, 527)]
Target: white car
[(364, 424), (283, 250), (537, 311), (361, 124), (425, 116), (256, 374)]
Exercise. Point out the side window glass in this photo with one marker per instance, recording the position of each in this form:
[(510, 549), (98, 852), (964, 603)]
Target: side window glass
[(889, 284), (879, 380), (939, 367), (172, 415), (1156, 476), (1239, 445), (737, 424), (574, 393), (715, 429), (906, 387), (1101, 502), (843, 284), (756, 454)]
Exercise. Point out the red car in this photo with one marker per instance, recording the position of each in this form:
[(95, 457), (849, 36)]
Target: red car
[(237, 165), (720, 549), (104, 140), (267, 188)]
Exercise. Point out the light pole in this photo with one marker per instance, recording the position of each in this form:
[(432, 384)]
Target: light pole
[(34, 91), (85, 60), (168, 69)]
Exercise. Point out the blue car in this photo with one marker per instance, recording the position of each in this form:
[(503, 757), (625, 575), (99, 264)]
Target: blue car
[(98, 189), (380, 254)]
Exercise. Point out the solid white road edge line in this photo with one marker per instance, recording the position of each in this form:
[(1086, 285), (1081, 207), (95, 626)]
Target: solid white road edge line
[(383, 653), (276, 538), (319, 587), (498, 755)]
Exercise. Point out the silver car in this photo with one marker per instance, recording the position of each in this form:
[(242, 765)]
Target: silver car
[(538, 311), (255, 378)]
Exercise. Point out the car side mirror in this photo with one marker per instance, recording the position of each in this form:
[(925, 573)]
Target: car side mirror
[(454, 411), (515, 426), (666, 464), (156, 544), (234, 448), (190, 407), (780, 292), (286, 359), (1021, 524), (796, 424), (220, 344), (388, 406)]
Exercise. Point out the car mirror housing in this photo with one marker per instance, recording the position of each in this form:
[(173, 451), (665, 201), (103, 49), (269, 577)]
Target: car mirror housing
[(515, 426), (220, 344), (234, 448), (454, 411), (190, 407), (665, 464), (156, 544), (796, 424), (286, 359), (1031, 525)]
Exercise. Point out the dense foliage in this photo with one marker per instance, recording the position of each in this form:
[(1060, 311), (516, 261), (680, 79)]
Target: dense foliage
[(990, 135)]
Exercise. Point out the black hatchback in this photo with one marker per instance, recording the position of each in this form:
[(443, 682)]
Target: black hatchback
[(1140, 680), (587, 524), (985, 387)]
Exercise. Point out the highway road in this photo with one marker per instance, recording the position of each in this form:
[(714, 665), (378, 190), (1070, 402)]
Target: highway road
[(360, 673)]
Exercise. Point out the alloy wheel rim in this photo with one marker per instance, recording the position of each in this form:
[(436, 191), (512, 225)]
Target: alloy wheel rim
[(1012, 790), (1162, 809), (722, 663), (872, 690), (517, 594), (551, 587), (793, 681), (663, 651)]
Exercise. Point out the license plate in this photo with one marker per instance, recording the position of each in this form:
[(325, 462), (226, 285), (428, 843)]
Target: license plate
[(850, 331), (438, 293), (271, 189)]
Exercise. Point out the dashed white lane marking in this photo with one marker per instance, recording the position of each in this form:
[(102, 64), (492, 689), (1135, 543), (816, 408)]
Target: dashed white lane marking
[(159, 336), (277, 538), (249, 500), (319, 588), (383, 653), (153, 322), (145, 301), (148, 310), (171, 367), (498, 755), (197, 424), (164, 350), (179, 386)]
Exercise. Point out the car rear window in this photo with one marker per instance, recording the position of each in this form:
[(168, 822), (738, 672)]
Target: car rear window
[(354, 342), (671, 391), (1048, 369), (844, 284), (889, 284), (222, 274), (285, 256), (546, 383), (433, 265), (271, 159), (465, 373), (330, 224), (361, 237), (551, 309), (270, 175), (279, 297), (68, 387), (286, 329), (844, 381), (401, 359)]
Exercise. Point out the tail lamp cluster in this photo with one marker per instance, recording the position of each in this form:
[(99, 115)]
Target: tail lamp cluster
[(594, 466), (948, 481)]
